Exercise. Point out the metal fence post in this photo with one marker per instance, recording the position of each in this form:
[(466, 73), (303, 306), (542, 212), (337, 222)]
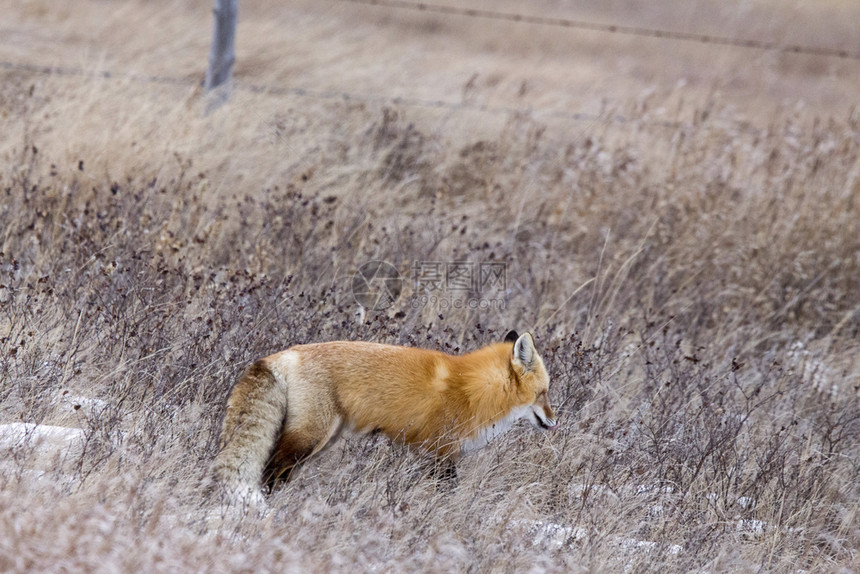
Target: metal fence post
[(222, 54)]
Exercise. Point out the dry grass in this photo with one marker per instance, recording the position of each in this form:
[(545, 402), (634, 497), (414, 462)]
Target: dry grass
[(693, 289)]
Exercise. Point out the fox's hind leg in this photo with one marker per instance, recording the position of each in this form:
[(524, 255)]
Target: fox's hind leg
[(253, 421), (296, 445)]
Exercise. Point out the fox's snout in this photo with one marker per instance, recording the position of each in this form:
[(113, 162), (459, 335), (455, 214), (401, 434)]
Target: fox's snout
[(544, 417), (551, 422)]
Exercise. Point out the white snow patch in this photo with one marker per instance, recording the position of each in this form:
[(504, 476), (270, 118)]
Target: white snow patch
[(46, 440), (9, 470), (751, 527), (655, 488), (553, 535), (646, 546), (556, 536)]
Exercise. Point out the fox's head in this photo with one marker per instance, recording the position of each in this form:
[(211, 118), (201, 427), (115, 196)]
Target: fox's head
[(532, 380)]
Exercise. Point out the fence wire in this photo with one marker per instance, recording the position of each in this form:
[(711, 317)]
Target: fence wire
[(611, 28), (337, 95)]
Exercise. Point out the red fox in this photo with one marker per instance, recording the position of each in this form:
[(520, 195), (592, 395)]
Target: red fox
[(286, 407)]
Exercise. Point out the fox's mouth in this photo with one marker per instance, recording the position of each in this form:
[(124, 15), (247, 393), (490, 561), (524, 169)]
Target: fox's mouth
[(543, 424)]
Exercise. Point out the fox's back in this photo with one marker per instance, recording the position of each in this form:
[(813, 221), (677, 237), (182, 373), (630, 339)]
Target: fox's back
[(372, 385), (352, 366)]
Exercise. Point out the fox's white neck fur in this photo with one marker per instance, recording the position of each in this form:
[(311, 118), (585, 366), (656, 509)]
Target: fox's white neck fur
[(489, 432)]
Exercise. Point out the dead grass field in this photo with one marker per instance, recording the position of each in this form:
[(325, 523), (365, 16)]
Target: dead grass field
[(690, 275)]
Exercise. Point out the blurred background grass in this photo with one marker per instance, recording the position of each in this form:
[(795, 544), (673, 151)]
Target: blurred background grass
[(678, 222)]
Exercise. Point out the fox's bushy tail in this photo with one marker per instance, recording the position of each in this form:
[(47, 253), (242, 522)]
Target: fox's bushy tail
[(252, 424)]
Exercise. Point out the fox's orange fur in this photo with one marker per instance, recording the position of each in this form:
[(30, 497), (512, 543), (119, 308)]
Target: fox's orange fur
[(288, 406)]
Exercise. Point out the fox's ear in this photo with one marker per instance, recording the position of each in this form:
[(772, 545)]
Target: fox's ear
[(524, 352), (511, 337)]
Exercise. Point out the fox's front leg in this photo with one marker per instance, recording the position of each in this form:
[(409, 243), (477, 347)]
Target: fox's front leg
[(445, 469)]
